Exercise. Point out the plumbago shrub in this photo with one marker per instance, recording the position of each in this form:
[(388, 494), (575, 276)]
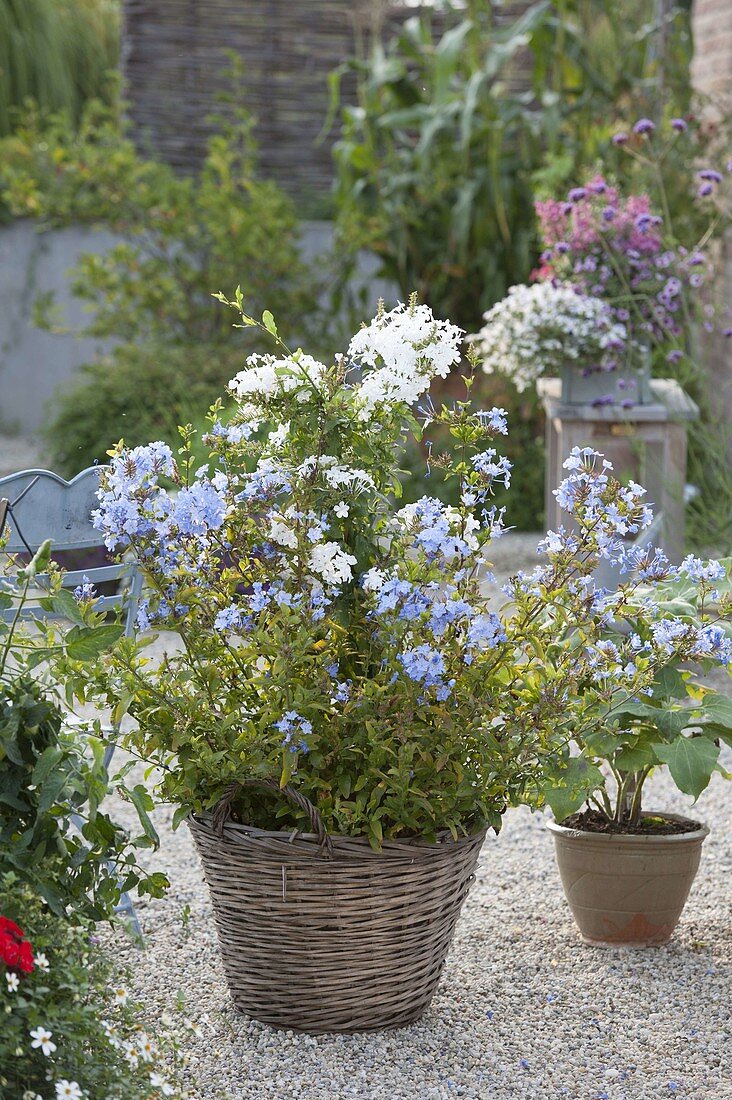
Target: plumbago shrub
[(540, 329), (331, 640), (69, 1026), (678, 621)]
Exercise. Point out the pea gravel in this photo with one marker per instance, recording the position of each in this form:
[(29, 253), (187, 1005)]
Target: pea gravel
[(524, 1011)]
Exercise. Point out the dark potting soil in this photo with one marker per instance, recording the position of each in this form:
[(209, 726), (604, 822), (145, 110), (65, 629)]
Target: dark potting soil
[(590, 821)]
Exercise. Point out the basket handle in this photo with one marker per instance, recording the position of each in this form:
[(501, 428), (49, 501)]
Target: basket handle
[(222, 809)]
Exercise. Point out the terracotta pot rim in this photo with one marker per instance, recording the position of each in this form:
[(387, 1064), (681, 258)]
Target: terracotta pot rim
[(699, 833)]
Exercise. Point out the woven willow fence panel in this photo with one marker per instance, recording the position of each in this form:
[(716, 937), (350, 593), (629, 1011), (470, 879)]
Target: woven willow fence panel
[(175, 60)]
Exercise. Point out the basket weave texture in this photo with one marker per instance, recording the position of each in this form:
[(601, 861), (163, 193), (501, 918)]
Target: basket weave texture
[(322, 933)]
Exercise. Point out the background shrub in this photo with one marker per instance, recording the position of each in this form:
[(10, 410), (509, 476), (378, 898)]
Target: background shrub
[(180, 239), (454, 136)]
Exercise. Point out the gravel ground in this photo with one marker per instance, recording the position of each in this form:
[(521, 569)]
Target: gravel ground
[(524, 1011)]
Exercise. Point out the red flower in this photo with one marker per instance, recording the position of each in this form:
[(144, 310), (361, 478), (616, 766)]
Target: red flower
[(15, 950)]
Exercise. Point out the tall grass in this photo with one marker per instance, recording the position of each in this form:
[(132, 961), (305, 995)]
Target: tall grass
[(59, 52)]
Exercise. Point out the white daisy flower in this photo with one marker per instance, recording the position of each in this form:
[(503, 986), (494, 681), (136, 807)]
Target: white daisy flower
[(68, 1090), (42, 1038)]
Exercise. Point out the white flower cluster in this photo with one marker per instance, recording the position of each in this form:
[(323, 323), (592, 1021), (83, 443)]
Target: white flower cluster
[(330, 561), (405, 348), (267, 377), (541, 328)]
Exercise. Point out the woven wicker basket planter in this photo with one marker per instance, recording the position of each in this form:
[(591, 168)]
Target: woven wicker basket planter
[(322, 933)]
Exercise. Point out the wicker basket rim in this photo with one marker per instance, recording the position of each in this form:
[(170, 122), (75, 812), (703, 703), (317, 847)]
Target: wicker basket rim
[(308, 841)]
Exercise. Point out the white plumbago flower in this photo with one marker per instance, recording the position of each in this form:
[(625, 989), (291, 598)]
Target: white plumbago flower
[(41, 962), (406, 348), (283, 535), (338, 475), (267, 377), (373, 580), (341, 510), (278, 436), (42, 1038), (332, 563), (159, 1082), (68, 1090), (541, 328), (120, 996), (13, 981)]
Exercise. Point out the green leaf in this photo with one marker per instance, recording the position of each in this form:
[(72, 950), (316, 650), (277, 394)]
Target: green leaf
[(86, 643), (269, 322), (691, 761), (567, 789), (64, 604), (141, 800), (46, 761)]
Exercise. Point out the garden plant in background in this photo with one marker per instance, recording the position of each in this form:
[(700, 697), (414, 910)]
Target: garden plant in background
[(70, 1027), (347, 669), (542, 329), (54, 836), (58, 53), (462, 121), (149, 294)]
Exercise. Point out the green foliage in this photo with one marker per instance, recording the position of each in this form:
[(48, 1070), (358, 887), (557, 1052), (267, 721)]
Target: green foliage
[(150, 295), (678, 723), (358, 651), (59, 53), (453, 137), (74, 992), (53, 834)]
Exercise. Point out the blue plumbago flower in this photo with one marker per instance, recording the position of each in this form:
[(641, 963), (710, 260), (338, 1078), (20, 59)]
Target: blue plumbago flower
[(143, 616), (85, 591), (332, 670), (232, 433), (557, 542), (291, 723), (391, 594), (229, 618), (647, 562), (495, 419), (493, 468), (698, 570), (445, 612), (342, 691), (424, 664), (486, 632), (712, 641), (266, 482), (667, 632), (199, 509)]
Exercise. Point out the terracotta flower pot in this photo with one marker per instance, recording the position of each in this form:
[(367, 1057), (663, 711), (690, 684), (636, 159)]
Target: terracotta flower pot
[(627, 890)]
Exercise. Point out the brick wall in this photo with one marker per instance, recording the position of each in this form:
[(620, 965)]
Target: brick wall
[(712, 76)]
